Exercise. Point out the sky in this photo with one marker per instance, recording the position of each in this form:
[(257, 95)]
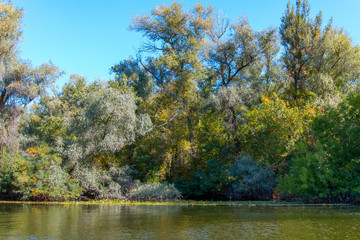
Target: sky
[(88, 37)]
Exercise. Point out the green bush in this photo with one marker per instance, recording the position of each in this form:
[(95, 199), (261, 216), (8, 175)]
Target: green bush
[(309, 176), (250, 180), (44, 179), (330, 168), (36, 175), (210, 182), (12, 167)]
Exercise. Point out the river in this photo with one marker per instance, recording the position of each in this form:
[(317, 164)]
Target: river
[(51, 221)]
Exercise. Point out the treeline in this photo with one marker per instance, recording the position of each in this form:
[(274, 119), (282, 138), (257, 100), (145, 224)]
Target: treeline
[(208, 109)]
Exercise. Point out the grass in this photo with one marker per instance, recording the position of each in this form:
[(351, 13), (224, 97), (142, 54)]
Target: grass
[(181, 203)]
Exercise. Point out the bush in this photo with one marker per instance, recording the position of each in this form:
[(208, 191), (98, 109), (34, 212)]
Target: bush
[(44, 179), (11, 167), (313, 177), (208, 183), (37, 175), (155, 191), (113, 183), (249, 180)]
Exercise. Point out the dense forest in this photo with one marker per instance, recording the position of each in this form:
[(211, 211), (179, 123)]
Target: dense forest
[(207, 109)]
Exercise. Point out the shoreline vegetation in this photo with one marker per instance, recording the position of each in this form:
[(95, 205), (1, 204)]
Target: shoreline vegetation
[(208, 109), (188, 203)]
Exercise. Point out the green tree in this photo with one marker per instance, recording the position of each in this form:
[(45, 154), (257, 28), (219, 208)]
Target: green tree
[(272, 129), (130, 72), (175, 38), (328, 167), (318, 61), (299, 36)]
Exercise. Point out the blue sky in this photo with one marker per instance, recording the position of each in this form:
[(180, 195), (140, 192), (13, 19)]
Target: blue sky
[(87, 37)]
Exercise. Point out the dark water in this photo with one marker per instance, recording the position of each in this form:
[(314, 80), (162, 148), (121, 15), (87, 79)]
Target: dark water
[(22, 221)]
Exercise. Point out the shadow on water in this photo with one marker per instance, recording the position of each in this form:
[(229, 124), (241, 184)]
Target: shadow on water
[(22, 221)]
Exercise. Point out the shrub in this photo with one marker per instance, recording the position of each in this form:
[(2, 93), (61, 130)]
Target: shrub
[(36, 175), (249, 180), (113, 183), (44, 179), (11, 167), (210, 182), (155, 191)]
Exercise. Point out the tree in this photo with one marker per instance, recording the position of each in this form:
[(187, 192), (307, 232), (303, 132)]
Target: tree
[(235, 48), (86, 121), (237, 58), (320, 62), (299, 36), (336, 71), (106, 124), (130, 72), (175, 38), (20, 83), (272, 129), (328, 167)]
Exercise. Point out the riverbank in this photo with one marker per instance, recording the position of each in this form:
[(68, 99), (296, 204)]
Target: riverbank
[(187, 203)]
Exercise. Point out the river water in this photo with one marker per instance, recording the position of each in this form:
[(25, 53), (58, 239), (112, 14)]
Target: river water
[(38, 221)]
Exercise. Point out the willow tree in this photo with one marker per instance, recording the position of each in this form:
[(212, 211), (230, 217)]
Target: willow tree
[(171, 56), (20, 83)]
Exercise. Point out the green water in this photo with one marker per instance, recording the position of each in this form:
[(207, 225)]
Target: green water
[(22, 221)]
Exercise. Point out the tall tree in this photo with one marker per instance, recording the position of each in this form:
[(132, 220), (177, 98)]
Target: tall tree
[(175, 38), (20, 83), (300, 37), (235, 48), (324, 62)]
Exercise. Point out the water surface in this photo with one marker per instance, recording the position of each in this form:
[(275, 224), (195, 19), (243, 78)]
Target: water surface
[(24, 221)]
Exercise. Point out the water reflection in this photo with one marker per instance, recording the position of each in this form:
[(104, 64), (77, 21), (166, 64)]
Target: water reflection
[(22, 221)]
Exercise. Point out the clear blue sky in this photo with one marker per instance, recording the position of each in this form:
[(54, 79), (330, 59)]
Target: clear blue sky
[(87, 37)]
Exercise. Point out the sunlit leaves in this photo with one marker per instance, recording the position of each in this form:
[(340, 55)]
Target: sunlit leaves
[(273, 128)]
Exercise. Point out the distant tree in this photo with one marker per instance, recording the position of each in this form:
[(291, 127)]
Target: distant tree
[(300, 35), (318, 61), (130, 72), (235, 48)]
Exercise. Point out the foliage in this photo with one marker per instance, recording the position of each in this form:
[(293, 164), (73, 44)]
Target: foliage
[(87, 120), (273, 128), (329, 169), (250, 180), (43, 178), (130, 73), (11, 168), (113, 183), (339, 131), (200, 91), (300, 36), (210, 182), (323, 62), (310, 174), (20, 83), (155, 191)]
